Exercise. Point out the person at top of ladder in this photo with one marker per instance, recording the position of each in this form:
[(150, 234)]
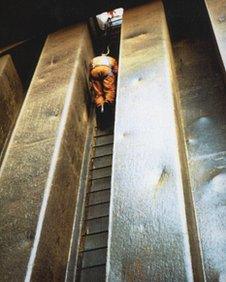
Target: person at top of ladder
[(102, 76)]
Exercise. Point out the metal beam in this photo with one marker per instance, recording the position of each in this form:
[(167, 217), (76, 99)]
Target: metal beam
[(148, 235), (11, 99), (40, 173), (25, 55), (203, 108)]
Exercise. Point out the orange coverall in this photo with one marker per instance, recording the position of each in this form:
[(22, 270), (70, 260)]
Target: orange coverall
[(103, 73)]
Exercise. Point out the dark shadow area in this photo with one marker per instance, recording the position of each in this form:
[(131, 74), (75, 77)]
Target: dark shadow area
[(24, 19), (105, 119), (187, 18), (25, 57)]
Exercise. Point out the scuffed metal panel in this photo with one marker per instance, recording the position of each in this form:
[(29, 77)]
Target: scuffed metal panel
[(148, 236), (202, 95)]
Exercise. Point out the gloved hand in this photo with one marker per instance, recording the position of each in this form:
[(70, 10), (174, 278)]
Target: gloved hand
[(109, 100)]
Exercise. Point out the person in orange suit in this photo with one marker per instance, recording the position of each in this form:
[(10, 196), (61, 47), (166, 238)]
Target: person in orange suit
[(103, 76)]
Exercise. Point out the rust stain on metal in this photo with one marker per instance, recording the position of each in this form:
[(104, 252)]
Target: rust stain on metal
[(133, 271)]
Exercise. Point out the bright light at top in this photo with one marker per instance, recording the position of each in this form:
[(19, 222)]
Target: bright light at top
[(115, 16)]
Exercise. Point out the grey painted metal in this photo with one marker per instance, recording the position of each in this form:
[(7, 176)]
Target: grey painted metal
[(102, 161), (95, 241), (103, 150), (203, 101), (108, 139), (100, 184), (99, 197), (96, 274), (98, 211), (217, 14), (101, 172), (94, 258), (96, 225), (148, 234)]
